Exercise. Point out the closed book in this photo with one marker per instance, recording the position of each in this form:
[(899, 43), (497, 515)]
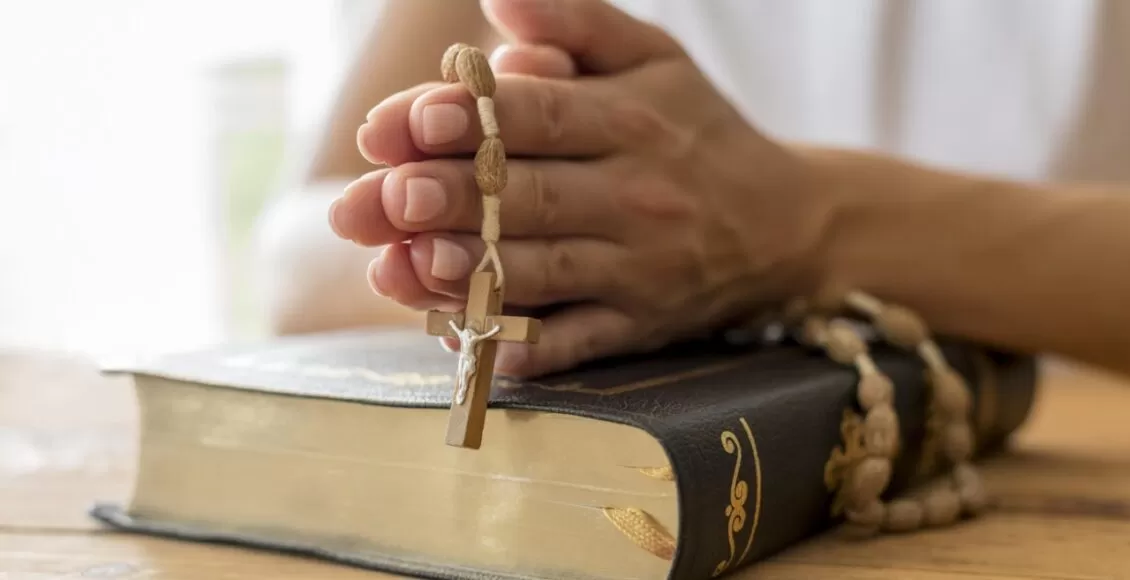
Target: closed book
[(691, 462)]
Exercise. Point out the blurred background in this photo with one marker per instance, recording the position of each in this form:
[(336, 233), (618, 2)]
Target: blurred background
[(138, 142)]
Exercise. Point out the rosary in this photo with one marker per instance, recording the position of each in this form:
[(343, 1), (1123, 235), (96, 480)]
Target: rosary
[(858, 472), (481, 325)]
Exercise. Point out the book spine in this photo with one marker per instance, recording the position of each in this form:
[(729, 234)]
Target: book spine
[(751, 476)]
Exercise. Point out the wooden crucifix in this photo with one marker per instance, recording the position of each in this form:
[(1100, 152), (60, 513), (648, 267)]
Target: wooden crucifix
[(478, 328), (481, 325)]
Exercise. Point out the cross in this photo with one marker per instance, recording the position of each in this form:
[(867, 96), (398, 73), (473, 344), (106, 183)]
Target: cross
[(479, 328)]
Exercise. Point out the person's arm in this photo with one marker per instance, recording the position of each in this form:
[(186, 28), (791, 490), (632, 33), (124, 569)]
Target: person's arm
[(402, 51), (311, 280), (1031, 268)]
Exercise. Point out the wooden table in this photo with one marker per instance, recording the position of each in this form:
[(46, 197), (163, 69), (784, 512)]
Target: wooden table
[(67, 439)]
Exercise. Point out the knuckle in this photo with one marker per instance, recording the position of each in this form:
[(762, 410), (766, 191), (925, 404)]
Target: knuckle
[(550, 102), (661, 200), (637, 121), (642, 125), (544, 202), (583, 347), (560, 269)]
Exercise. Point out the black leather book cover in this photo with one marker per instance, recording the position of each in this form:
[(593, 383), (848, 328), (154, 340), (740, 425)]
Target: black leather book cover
[(747, 428)]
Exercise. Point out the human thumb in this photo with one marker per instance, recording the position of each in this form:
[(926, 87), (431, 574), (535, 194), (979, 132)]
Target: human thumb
[(601, 37)]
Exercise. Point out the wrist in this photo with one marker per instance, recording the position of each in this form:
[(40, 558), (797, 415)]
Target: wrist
[(896, 229)]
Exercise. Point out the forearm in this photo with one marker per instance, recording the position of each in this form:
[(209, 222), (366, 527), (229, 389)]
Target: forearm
[(1027, 268), (402, 51)]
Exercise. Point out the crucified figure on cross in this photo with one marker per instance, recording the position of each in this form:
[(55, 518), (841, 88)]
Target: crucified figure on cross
[(468, 356), (479, 328)]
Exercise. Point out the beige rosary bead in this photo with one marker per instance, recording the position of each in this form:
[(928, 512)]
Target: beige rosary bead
[(815, 330), (490, 166), (447, 63), (974, 499), (870, 515), (881, 431), (903, 515), (868, 480), (950, 393), (866, 521), (844, 344), (957, 442), (901, 326), (865, 303), (970, 488), (940, 507), (875, 389), (473, 70), (965, 474)]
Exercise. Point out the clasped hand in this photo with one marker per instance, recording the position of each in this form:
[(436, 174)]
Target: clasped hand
[(640, 203)]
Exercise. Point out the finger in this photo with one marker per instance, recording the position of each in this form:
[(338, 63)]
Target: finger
[(391, 275), (532, 59), (603, 38), (385, 139), (541, 198), (537, 272), (573, 336), (358, 215), (536, 117)]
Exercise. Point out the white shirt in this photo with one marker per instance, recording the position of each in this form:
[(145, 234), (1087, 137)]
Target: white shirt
[(1029, 89)]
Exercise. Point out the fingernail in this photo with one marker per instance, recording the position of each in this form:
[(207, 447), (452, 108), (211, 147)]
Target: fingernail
[(449, 260), (443, 123), (358, 184), (335, 209), (371, 274), (424, 199)]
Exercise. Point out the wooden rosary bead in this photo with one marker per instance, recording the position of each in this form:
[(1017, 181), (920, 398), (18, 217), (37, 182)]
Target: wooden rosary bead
[(815, 330), (970, 488), (957, 441), (965, 474), (932, 355), (473, 70), (950, 393), (864, 303), (941, 507), (490, 166), (974, 499), (868, 480), (903, 515), (447, 63), (881, 431), (844, 343), (875, 389), (870, 515), (901, 326)]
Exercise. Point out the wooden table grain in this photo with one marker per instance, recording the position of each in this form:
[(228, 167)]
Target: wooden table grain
[(67, 438)]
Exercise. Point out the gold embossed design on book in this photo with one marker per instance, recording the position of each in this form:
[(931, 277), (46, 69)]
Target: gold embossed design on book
[(739, 493)]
